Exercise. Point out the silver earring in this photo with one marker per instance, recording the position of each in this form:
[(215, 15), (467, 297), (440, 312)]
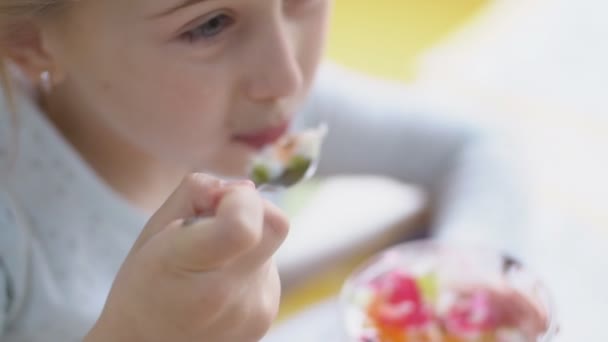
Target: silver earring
[(46, 82)]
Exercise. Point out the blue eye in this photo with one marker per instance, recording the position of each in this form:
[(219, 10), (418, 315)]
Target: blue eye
[(210, 28)]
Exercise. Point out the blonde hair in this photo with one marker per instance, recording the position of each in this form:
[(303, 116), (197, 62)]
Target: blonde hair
[(13, 15)]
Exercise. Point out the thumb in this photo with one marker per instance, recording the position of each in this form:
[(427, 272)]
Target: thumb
[(196, 195), (212, 242)]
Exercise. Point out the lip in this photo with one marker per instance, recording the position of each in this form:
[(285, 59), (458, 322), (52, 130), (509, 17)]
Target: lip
[(259, 139)]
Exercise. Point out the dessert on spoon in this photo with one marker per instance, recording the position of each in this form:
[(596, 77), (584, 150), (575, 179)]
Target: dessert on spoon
[(290, 160)]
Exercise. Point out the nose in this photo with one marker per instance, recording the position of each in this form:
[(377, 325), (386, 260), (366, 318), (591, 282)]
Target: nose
[(273, 69)]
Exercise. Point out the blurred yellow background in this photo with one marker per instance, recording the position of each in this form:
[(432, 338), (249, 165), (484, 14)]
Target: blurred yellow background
[(534, 68), (384, 37)]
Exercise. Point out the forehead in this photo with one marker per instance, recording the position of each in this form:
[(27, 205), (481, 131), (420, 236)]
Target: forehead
[(145, 7), (150, 8)]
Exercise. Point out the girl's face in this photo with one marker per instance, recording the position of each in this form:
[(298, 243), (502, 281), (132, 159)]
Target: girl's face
[(201, 83)]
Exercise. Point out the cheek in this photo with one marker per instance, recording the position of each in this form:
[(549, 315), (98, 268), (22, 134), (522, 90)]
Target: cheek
[(179, 112), (140, 91), (170, 112)]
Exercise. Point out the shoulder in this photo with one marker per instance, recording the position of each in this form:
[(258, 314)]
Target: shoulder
[(7, 132), (12, 235), (13, 255)]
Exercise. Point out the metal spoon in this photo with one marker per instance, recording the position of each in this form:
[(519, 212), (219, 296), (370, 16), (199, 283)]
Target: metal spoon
[(271, 174)]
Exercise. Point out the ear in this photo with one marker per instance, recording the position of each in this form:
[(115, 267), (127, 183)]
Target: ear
[(29, 47)]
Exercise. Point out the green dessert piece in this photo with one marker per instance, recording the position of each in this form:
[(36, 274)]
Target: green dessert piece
[(260, 175)]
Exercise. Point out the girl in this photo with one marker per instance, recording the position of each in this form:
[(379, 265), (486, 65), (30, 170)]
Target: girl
[(113, 107)]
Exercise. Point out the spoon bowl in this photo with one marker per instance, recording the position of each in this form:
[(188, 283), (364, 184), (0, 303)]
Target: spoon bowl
[(290, 161)]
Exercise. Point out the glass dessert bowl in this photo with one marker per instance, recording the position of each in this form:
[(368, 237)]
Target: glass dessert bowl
[(430, 292)]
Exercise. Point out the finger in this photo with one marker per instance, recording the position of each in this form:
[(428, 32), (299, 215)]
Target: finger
[(235, 229), (276, 228), (196, 195)]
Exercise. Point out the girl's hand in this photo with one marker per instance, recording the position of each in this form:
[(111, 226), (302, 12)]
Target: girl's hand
[(205, 279)]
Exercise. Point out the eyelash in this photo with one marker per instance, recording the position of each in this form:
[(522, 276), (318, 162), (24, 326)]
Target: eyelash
[(219, 22)]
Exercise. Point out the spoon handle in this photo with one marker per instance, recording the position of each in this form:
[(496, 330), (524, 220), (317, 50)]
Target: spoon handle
[(269, 188)]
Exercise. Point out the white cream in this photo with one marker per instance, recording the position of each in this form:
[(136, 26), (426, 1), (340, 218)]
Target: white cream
[(309, 142)]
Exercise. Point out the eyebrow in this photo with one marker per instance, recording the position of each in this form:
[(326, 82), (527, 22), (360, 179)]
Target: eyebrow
[(179, 6)]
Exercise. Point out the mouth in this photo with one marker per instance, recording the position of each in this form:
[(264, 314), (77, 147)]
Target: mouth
[(259, 139)]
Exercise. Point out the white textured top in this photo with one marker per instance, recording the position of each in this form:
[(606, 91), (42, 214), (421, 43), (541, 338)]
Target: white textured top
[(64, 233)]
